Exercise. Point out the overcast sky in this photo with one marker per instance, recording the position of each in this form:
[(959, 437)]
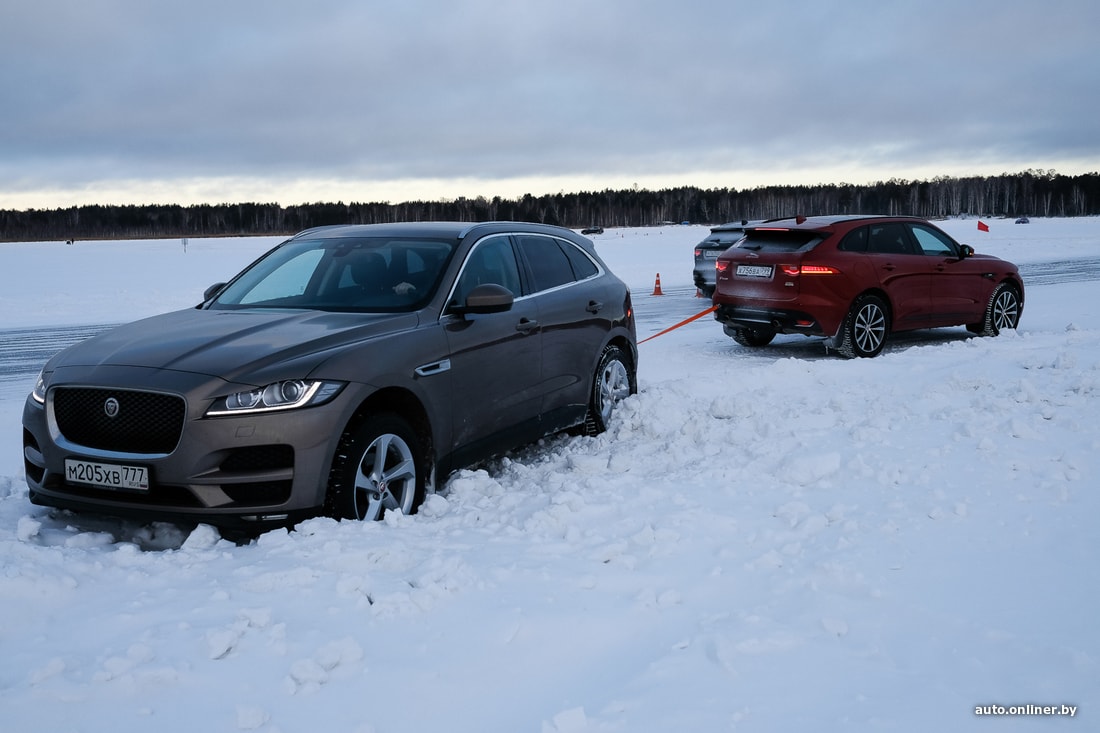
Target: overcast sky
[(139, 101)]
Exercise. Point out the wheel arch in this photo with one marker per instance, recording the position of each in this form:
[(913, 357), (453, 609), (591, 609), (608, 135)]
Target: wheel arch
[(881, 295), (1016, 282), (878, 293), (628, 347), (401, 402)]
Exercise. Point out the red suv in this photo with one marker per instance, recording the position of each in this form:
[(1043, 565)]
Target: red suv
[(855, 279)]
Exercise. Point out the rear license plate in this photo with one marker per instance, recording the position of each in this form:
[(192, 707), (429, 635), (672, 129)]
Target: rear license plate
[(107, 475), (711, 254), (754, 270)]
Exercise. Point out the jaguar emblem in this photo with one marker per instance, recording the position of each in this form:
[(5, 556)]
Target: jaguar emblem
[(110, 407)]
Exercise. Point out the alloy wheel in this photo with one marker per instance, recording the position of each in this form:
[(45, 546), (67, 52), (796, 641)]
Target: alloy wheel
[(869, 328), (385, 479)]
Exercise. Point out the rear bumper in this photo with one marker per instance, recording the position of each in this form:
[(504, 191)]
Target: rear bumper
[(704, 277), (780, 320)]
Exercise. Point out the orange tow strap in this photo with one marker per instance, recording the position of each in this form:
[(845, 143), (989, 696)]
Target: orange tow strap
[(681, 323)]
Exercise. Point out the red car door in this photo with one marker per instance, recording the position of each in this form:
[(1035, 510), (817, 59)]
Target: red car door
[(902, 273), (960, 287)]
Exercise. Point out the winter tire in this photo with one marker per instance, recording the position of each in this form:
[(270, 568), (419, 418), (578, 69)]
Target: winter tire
[(752, 337), (865, 328), (615, 380), (380, 466), (1001, 312)]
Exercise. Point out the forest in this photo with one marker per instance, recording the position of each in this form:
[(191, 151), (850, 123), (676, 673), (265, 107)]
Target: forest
[(1029, 193)]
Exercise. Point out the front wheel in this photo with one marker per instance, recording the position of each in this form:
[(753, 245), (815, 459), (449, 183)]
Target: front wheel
[(1001, 312), (865, 328), (380, 466), (615, 380)]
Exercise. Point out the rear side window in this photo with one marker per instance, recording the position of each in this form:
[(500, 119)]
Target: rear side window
[(890, 239), (583, 266), (779, 240), (854, 241), (550, 266)]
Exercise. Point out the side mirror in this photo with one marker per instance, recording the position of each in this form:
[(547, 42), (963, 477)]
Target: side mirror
[(965, 250), (211, 291), (488, 298)]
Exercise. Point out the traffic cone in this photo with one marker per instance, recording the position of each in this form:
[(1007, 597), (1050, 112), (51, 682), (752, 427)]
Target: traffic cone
[(657, 285)]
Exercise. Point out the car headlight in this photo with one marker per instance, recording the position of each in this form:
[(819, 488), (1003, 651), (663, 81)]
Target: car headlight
[(38, 394), (285, 395)]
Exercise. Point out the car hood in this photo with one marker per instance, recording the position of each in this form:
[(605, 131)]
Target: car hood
[(232, 345)]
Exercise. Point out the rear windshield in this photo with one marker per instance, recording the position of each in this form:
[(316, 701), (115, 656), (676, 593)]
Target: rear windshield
[(723, 239), (780, 240)]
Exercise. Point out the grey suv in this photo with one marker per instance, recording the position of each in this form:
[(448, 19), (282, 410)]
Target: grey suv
[(340, 373), (721, 238)]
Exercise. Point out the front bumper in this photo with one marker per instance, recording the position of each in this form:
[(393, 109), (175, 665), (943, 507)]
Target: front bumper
[(257, 470)]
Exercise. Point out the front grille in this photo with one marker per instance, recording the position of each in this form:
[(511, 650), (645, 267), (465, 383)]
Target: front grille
[(146, 422)]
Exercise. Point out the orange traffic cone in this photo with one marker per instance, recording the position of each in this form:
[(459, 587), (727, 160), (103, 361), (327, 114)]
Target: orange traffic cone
[(657, 285)]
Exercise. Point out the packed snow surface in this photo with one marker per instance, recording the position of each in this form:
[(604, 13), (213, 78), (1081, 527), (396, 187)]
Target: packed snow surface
[(765, 540)]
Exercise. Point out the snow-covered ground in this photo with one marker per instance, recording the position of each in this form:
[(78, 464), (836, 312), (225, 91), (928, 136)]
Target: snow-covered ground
[(770, 540)]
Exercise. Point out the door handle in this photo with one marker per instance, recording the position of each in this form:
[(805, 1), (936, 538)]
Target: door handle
[(526, 325), (594, 306)]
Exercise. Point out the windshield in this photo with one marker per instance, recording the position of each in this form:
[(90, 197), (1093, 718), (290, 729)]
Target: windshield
[(377, 274)]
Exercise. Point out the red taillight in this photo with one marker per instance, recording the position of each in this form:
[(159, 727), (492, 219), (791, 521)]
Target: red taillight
[(722, 265), (796, 270), (819, 270), (698, 253)]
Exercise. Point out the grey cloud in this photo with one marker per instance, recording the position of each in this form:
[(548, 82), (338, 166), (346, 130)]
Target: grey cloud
[(434, 89)]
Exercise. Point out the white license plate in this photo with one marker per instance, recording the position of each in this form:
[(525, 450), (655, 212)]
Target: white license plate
[(109, 475), (754, 270), (711, 254)]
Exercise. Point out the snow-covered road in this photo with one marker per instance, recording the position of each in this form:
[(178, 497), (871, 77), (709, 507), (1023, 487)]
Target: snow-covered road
[(766, 540)]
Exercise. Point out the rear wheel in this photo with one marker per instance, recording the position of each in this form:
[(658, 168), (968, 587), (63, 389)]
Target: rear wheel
[(751, 337), (865, 328), (1001, 312), (615, 380), (380, 466)]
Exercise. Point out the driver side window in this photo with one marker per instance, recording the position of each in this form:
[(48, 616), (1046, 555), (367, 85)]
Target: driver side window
[(492, 261), (933, 243)]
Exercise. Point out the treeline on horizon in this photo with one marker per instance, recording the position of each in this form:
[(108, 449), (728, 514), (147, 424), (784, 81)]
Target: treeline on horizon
[(1030, 193)]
